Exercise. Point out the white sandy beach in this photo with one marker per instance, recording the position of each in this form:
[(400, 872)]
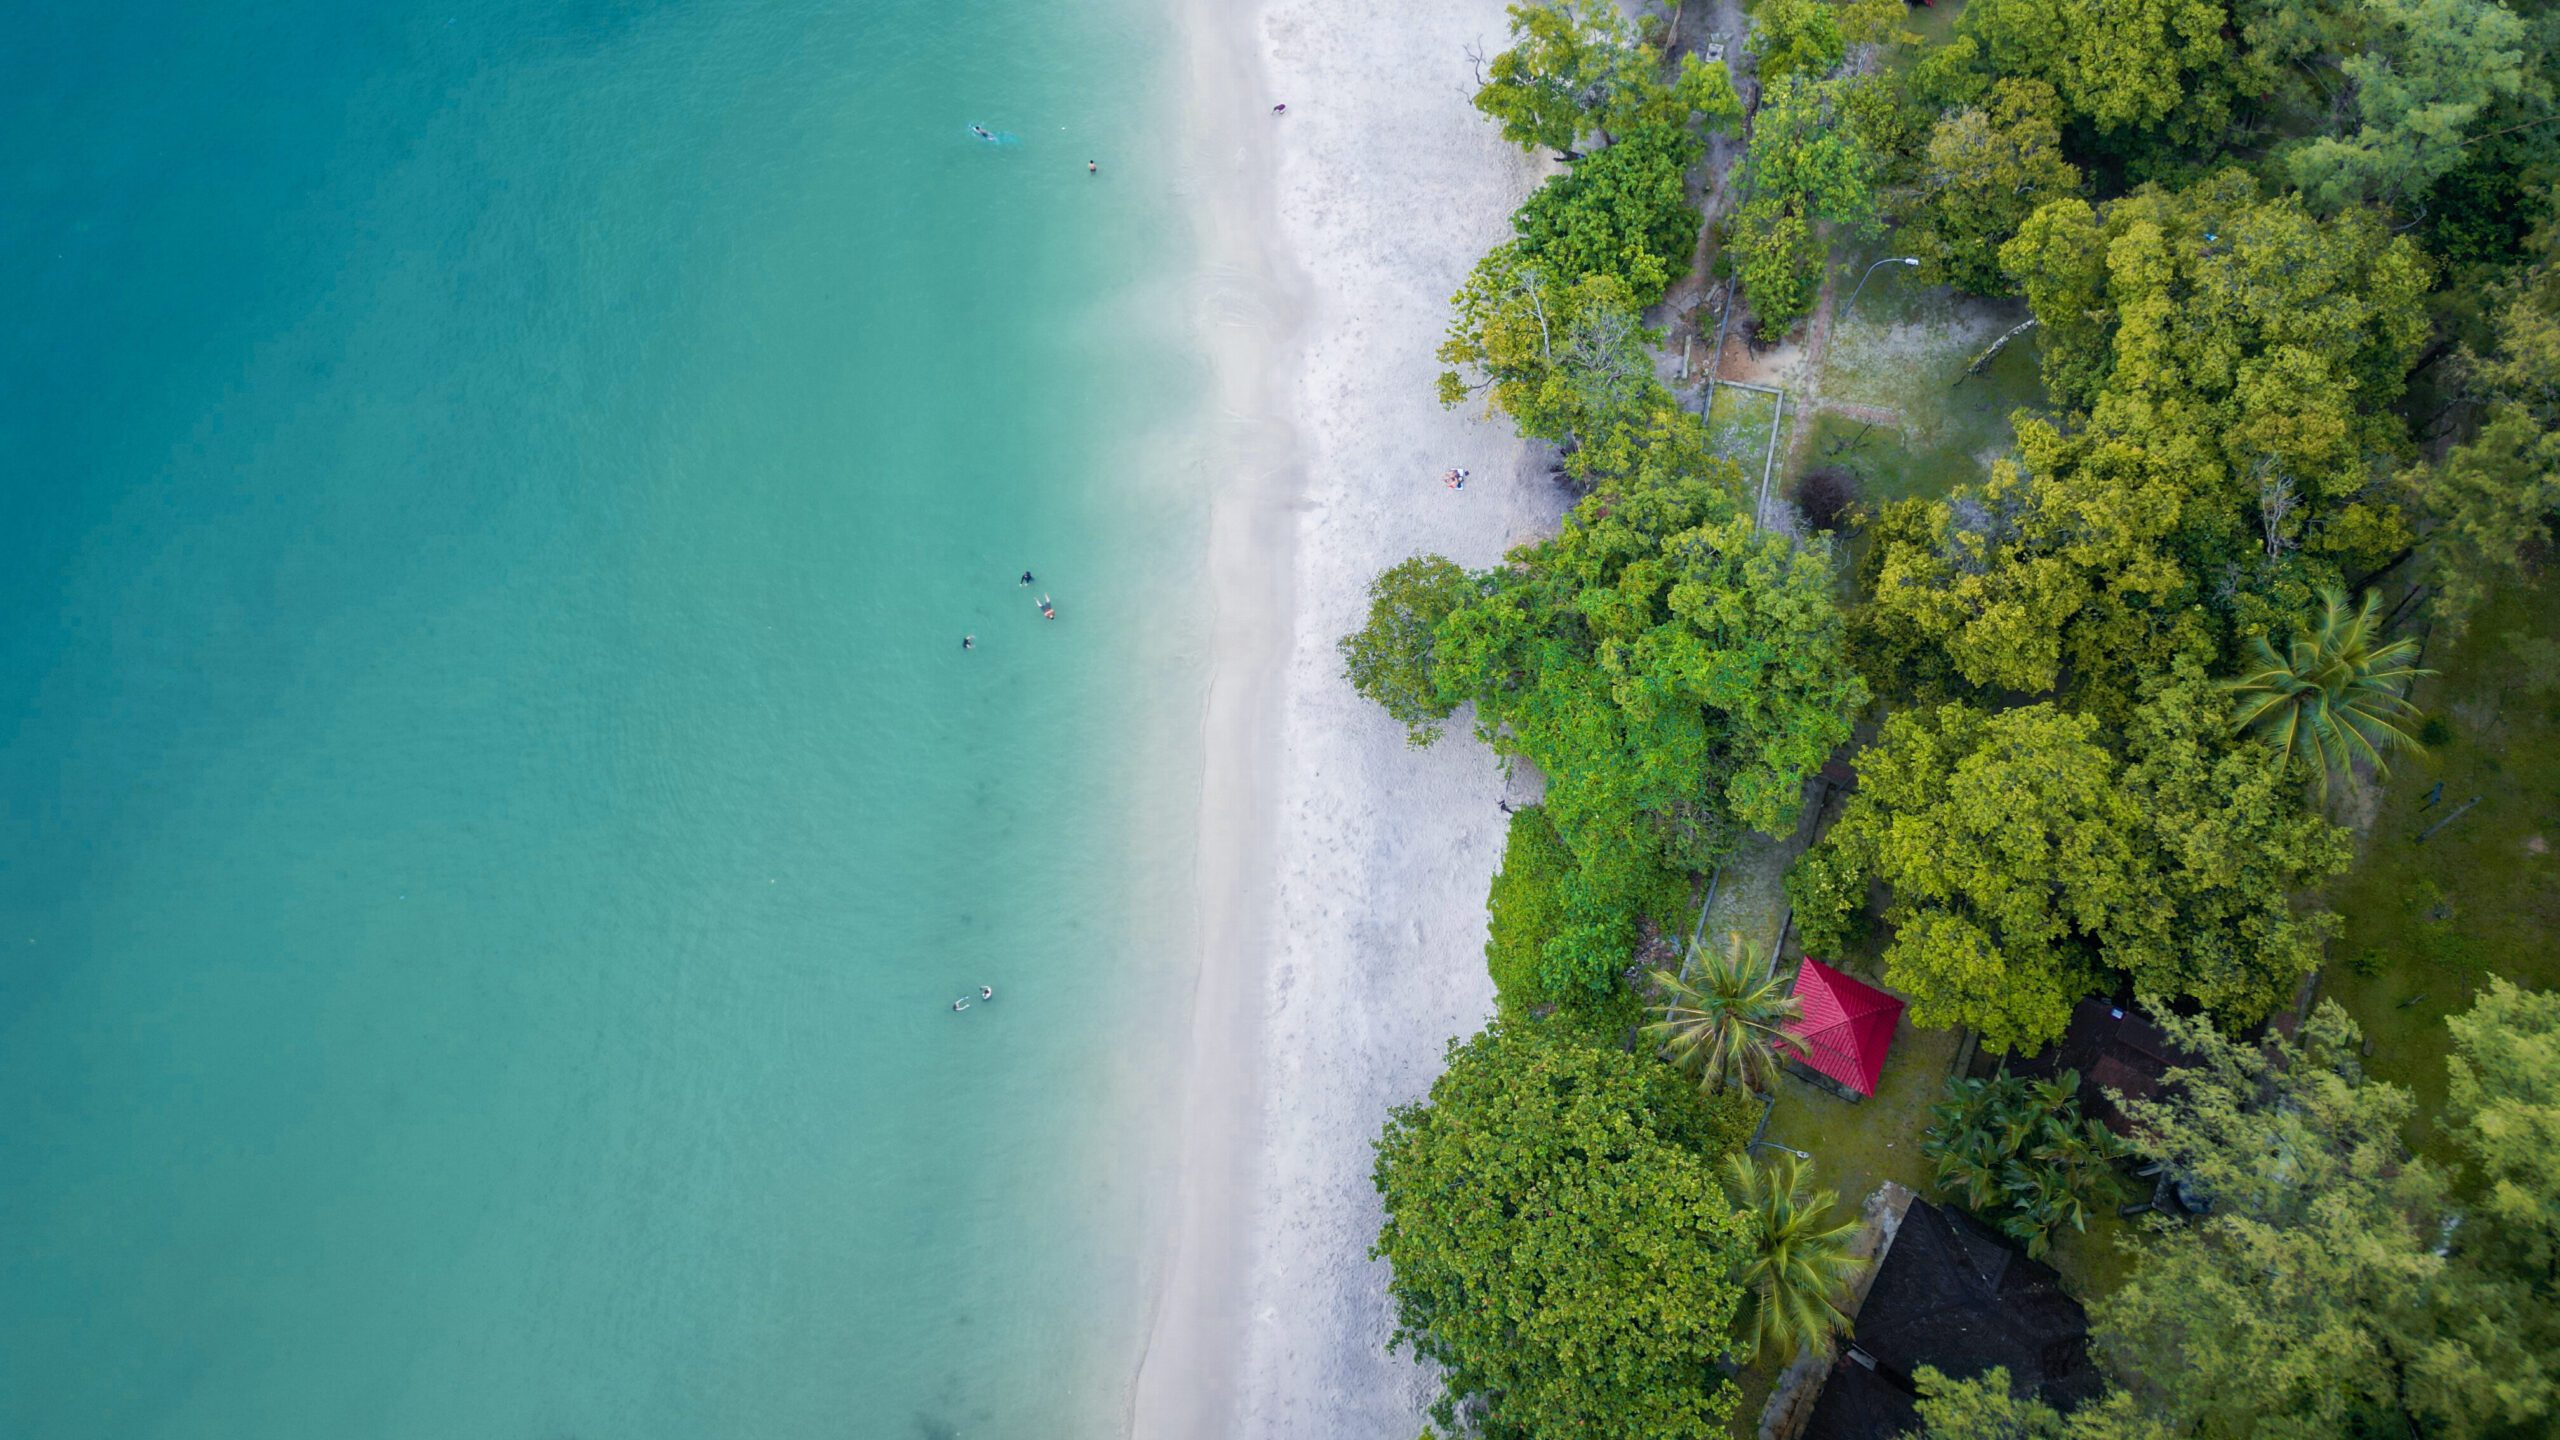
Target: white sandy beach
[(1343, 873)]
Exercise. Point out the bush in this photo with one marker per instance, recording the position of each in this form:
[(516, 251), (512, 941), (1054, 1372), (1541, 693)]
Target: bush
[(1562, 934), (2019, 1154), (1528, 907), (1824, 496)]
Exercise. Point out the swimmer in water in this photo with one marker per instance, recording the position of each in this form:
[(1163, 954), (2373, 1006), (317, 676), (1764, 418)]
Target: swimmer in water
[(1026, 577), (1091, 168), (959, 1005), (968, 642), (982, 132), (986, 992), (1047, 610)]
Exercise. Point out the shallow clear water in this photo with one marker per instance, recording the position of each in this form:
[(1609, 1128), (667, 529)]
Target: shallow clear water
[(493, 808)]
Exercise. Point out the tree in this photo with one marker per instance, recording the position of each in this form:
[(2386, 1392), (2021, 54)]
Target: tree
[(1389, 660), (1796, 37), (1673, 672), (1803, 167), (2496, 1369), (1985, 169), (2019, 1154), (1574, 68), (1559, 1246), (2118, 64), (1624, 212), (2503, 1108), (1562, 360), (2235, 843), (2232, 362), (2427, 71), (1567, 59), (1984, 1407), (1727, 1027), (2021, 854), (1798, 1262), (2494, 498), (2298, 1305), (1776, 260), (2333, 696), (2008, 847)]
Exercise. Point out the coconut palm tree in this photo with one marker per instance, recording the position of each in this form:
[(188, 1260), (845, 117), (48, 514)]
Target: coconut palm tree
[(2334, 695), (1797, 1264), (1723, 1024)]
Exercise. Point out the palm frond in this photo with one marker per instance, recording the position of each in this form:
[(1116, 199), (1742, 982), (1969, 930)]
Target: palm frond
[(2334, 695), (1727, 1023), (1798, 1264)]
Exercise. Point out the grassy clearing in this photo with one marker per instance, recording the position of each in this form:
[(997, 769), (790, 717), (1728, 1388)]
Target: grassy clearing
[(1904, 348), (1738, 424), (1858, 1147), (2432, 921)]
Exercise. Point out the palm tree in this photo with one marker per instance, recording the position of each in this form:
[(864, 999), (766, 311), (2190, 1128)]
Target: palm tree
[(1725, 1024), (2020, 1154), (1797, 1264), (2334, 696)]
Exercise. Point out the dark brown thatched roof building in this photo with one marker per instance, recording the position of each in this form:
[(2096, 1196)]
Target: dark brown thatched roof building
[(1952, 1293), (2115, 1047)]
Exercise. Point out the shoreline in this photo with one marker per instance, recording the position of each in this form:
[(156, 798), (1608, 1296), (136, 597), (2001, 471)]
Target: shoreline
[(1341, 874), (1248, 313)]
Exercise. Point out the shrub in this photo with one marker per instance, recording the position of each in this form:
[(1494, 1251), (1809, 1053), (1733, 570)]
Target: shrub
[(2018, 1154), (1528, 907), (1824, 496)]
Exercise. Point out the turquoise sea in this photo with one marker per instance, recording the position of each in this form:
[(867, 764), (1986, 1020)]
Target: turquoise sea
[(493, 806)]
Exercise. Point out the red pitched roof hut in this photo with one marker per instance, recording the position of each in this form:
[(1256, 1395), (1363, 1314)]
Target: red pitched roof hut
[(1847, 1025)]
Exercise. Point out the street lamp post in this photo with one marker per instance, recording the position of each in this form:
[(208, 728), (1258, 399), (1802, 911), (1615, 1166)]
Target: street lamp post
[(1872, 269)]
